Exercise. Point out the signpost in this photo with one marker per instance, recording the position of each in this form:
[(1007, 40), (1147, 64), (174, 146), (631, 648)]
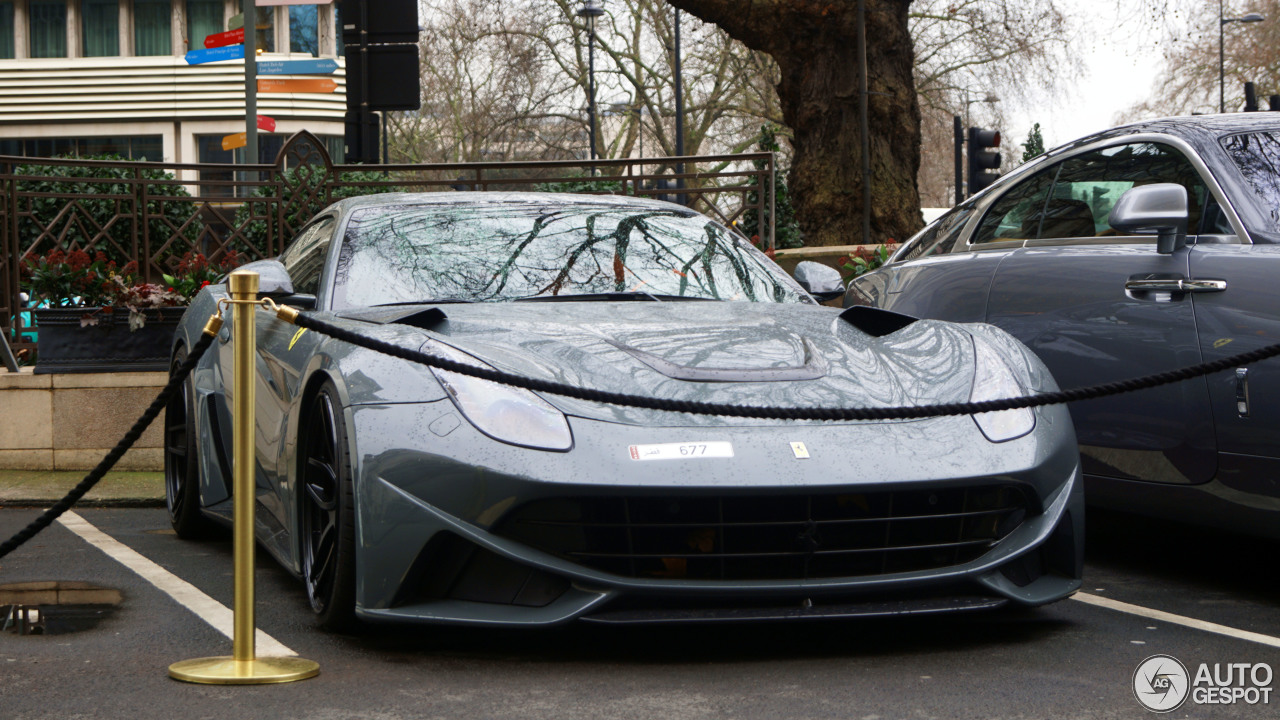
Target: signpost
[(266, 124), (299, 85), (319, 66), (229, 52), (234, 140)]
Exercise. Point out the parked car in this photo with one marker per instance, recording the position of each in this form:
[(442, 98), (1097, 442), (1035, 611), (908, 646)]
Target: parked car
[(1137, 250), (402, 493)]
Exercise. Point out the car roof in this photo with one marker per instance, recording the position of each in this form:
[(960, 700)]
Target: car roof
[(497, 198), (1198, 130)]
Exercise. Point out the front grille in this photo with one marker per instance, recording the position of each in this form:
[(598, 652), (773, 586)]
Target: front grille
[(763, 537)]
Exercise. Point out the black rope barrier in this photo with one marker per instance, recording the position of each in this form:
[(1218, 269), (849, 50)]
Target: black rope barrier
[(830, 413), (148, 416)]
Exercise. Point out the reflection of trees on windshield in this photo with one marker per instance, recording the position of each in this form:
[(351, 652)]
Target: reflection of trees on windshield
[(505, 251), (1257, 155)]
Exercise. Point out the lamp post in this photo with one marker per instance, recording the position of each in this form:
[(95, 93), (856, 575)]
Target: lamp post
[(1222, 73), (590, 11), (679, 111)]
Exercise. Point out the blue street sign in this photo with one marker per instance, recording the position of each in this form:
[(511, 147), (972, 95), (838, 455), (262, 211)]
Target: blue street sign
[(297, 67), (230, 52)]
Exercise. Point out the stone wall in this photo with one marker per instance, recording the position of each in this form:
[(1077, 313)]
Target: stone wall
[(70, 421)]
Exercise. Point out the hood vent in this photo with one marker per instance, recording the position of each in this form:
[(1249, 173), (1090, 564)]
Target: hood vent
[(876, 322), (814, 367)]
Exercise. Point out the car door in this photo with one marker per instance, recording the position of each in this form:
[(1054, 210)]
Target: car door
[(1243, 316), (1072, 294), (928, 279)]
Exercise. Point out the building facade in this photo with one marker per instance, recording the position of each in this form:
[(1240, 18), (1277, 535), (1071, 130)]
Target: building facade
[(89, 77)]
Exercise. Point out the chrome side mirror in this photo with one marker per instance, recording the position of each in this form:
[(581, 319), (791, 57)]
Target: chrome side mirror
[(273, 279), (819, 280), (1160, 209)]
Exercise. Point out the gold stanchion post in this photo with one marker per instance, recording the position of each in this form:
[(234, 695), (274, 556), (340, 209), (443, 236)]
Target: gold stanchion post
[(242, 667)]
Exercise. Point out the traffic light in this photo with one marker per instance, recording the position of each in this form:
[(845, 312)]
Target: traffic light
[(982, 162)]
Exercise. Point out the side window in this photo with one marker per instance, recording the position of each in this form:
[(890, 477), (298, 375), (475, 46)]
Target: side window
[(1017, 214), (305, 257), (1089, 185), (941, 236)]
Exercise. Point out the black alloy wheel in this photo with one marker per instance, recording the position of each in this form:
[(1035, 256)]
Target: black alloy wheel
[(181, 463), (326, 514)]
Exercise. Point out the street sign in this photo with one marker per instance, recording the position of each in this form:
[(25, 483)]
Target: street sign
[(236, 22), (323, 66), (266, 124), (237, 140), (303, 85), (223, 39), (229, 52)]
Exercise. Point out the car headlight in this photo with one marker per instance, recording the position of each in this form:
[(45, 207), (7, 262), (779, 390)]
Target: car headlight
[(993, 379), (508, 414)]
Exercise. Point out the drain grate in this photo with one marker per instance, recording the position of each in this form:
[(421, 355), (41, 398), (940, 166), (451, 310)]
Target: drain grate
[(55, 607)]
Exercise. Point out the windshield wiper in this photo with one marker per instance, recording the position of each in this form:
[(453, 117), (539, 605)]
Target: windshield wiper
[(433, 301), (588, 297)]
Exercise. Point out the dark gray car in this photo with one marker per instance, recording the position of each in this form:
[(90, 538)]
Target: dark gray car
[(1184, 269), (402, 493)]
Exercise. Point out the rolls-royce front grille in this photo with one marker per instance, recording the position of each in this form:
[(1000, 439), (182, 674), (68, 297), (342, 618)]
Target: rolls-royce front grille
[(763, 537)]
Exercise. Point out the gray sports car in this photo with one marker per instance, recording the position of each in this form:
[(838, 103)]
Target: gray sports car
[(399, 492)]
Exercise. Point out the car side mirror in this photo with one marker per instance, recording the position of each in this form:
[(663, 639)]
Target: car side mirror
[(1160, 209), (273, 279), (820, 281)]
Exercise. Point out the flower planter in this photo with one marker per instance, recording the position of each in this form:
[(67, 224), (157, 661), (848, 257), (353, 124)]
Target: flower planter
[(65, 346)]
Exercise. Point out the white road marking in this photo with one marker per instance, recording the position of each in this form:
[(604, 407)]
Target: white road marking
[(1176, 619), (187, 595)]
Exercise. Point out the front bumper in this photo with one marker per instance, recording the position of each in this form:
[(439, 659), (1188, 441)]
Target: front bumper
[(432, 544)]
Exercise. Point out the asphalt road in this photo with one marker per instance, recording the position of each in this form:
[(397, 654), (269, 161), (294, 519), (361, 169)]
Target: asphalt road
[(1070, 660)]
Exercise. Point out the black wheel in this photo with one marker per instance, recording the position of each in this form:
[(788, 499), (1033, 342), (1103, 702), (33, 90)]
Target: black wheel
[(181, 473), (326, 512)]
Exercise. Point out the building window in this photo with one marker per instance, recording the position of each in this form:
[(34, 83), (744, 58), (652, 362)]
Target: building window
[(135, 147), (152, 29), (304, 29), (204, 18), (266, 29), (6, 30), (48, 28), (101, 27)]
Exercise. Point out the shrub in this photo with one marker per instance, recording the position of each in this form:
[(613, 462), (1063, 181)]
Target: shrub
[(303, 196), (786, 230)]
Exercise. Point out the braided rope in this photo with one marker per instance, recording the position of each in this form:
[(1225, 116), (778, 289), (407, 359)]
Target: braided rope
[(175, 381), (820, 413)]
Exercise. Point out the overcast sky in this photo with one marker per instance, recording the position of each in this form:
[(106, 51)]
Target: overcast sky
[(1118, 73)]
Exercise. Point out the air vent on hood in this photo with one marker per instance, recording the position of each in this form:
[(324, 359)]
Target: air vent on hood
[(876, 322)]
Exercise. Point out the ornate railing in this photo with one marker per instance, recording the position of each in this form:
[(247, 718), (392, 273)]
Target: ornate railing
[(154, 213)]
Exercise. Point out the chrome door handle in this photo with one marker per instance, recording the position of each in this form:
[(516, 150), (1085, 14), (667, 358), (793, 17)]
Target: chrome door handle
[(1178, 285)]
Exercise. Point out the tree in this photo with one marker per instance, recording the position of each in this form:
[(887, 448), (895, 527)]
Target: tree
[(1189, 81), (1033, 146), (815, 47)]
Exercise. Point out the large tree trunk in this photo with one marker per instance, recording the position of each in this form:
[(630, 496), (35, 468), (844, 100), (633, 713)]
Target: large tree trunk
[(815, 43)]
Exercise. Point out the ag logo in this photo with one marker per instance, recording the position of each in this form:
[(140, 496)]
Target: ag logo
[(1161, 683)]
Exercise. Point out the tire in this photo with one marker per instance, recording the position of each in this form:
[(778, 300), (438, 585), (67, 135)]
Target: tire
[(326, 512), (181, 463)]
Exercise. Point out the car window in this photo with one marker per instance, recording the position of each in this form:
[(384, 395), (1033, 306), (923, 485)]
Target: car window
[(1257, 157), (1017, 214), (506, 250), (941, 236), (1088, 187), (305, 257)]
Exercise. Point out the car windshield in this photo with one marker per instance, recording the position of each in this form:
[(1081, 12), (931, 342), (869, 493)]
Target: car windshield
[(497, 251), (1257, 155)]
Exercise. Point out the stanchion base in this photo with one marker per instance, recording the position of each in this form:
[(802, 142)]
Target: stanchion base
[(226, 670)]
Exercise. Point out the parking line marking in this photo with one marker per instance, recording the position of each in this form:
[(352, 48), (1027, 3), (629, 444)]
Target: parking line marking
[(1172, 619), (219, 616)]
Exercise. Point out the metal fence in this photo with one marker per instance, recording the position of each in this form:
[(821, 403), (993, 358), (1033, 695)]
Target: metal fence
[(154, 213)]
